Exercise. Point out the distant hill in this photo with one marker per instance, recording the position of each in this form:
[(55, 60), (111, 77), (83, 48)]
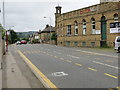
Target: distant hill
[(25, 34)]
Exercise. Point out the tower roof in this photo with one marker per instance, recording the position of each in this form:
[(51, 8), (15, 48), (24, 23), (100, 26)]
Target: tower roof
[(58, 6)]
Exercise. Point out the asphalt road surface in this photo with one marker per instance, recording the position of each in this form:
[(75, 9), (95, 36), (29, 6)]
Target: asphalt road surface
[(73, 67)]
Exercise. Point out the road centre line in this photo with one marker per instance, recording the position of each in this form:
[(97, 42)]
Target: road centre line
[(73, 56), (36, 70), (106, 65), (89, 68), (78, 64), (110, 75), (92, 69), (97, 53), (55, 56), (69, 61), (61, 58)]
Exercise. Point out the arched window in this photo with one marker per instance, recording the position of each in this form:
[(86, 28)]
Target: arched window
[(93, 25), (76, 28), (115, 17), (84, 27)]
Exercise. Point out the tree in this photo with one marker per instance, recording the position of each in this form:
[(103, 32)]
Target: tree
[(53, 36), (12, 37), (3, 31)]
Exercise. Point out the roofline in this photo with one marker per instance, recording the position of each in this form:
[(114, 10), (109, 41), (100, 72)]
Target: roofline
[(83, 8)]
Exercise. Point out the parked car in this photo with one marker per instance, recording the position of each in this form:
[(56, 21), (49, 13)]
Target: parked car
[(18, 43), (117, 43), (23, 42)]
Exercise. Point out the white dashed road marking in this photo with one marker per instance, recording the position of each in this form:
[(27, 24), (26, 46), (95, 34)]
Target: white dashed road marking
[(106, 65), (73, 56)]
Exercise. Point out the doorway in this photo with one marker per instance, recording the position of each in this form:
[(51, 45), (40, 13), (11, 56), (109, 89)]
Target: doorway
[(103, 32)]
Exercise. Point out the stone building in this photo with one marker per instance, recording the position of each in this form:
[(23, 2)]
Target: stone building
[(92, 26), (46, 34)]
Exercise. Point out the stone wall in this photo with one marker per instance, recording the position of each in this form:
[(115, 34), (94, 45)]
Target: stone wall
[(88, 40)]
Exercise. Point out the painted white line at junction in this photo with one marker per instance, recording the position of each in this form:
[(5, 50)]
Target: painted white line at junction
[(97, 53), (106, 65)]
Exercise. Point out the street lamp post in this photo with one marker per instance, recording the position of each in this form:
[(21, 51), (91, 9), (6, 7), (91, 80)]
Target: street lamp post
[(50, 27)]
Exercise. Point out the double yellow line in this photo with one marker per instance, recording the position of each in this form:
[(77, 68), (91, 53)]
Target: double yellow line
[(37, 72)]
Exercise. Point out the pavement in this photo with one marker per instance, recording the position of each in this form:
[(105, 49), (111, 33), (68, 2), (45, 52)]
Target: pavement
[(13, 77)]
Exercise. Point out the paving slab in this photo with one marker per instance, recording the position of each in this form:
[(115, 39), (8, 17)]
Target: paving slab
[(14, 77)]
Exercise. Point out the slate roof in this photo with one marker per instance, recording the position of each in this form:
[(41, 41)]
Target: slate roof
[(47, 30)]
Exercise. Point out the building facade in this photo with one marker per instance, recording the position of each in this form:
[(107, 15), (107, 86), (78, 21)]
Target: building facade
[(46, 34), (93, 26)]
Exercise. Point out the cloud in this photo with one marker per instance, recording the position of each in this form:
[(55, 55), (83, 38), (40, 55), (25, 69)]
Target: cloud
[(29, 15)]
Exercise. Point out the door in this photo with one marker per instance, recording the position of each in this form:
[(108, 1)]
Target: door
[(103, 28), (103, 32)]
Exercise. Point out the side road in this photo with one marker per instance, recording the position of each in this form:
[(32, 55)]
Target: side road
[(12, 76)]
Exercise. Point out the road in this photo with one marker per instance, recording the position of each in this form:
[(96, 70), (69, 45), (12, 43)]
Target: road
[(72, 67)]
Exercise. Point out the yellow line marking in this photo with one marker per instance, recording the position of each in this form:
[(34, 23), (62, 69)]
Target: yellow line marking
[(110, 75), (55, 56), (78, 64), (48, 82), (110, 89), (118, 88), (92, 69), (61, 58), (69, 61)]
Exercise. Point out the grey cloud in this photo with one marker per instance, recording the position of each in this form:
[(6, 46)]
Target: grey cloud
[(25, 16)]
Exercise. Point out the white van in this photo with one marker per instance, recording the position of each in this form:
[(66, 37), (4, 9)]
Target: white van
[(117, 43)]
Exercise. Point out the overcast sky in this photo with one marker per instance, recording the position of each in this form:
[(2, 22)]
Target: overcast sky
[(28, 15)]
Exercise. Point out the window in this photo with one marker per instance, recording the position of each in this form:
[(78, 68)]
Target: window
[(76, 43), (69, 30), (118, 40), (84, 27), (83, 43), (76, 28), (92, 44), (67, 43), (93, 26), (116, 17)]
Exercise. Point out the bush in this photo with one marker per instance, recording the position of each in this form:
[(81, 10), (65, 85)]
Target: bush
[(35, 41)]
